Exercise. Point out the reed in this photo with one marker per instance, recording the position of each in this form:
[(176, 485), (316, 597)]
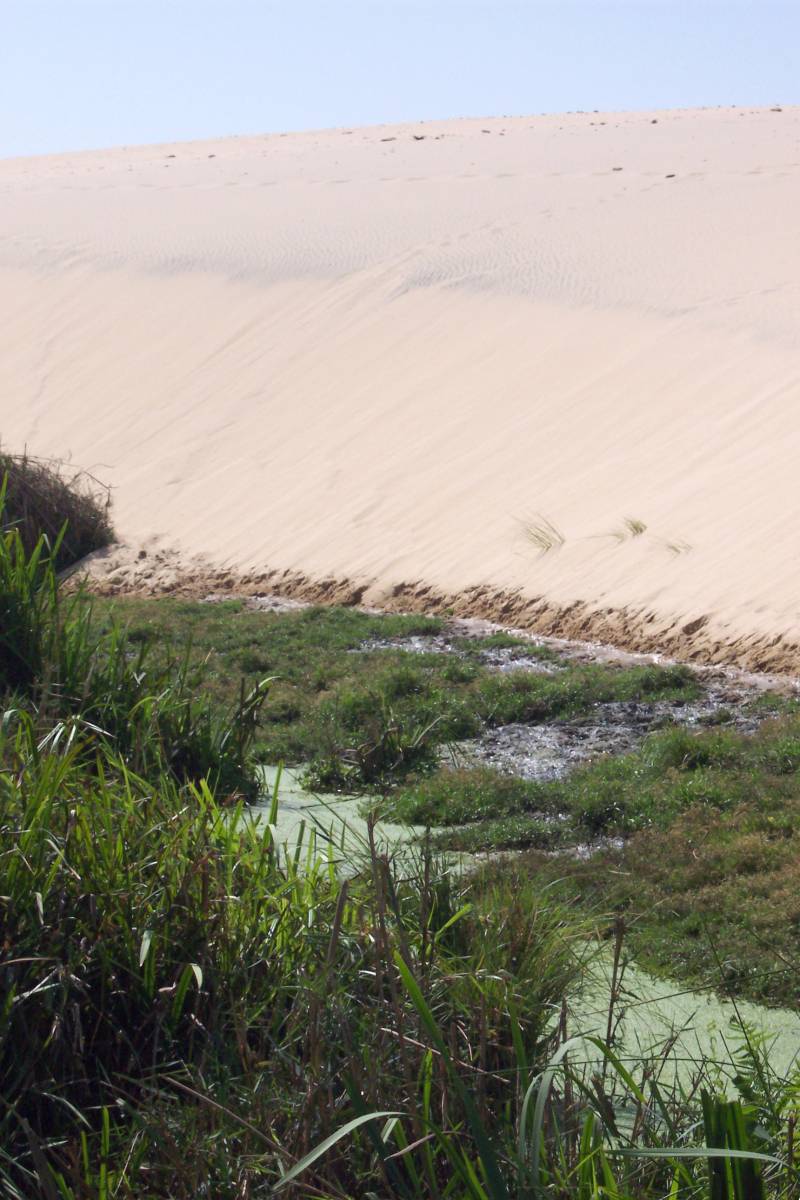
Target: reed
[(592, 1123), (69, 675), (164, 965)]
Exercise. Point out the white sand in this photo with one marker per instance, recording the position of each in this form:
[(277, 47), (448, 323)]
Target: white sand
[(350, 357)]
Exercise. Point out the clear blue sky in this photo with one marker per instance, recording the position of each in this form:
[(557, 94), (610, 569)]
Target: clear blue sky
[(86, 73)]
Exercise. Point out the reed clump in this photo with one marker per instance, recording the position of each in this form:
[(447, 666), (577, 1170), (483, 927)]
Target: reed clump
[(70, 676), (219, 1010)]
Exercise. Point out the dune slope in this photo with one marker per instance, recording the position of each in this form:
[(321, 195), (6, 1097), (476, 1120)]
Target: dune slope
[(546, 368)]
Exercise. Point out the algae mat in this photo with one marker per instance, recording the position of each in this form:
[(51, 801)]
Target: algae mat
[(308, 821), (705, 1028)]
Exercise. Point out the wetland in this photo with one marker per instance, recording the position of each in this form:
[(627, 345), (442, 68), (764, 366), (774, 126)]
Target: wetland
[(293, 898)]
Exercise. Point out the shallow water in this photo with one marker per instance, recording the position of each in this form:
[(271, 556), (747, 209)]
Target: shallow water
[(326, 819)]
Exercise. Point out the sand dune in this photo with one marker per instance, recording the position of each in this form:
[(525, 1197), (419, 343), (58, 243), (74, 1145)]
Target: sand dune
[(378, 355)]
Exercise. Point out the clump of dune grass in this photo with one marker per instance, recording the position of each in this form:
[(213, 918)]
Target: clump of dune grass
[(634, 527), (71, 508), (543, 534)]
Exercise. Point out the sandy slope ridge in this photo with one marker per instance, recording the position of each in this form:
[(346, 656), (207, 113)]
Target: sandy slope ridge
[(543, 368)]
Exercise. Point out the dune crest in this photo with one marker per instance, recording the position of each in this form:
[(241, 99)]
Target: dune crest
[(546, 368)]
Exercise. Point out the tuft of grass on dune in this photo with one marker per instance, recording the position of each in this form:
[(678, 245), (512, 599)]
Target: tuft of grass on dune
[(543, 535)]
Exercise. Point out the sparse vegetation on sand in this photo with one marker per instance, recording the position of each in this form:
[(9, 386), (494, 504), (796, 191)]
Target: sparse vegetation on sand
[(543, 534), (632, 527), (186, 1010)]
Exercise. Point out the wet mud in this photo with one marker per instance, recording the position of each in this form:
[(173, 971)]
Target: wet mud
[(550, 750)]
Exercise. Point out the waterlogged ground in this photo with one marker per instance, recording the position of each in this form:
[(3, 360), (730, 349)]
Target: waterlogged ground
[(652, 1012), (667, 795), (551, 749), (649, 1013)]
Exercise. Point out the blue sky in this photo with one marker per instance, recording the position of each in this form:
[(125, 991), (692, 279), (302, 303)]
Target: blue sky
[(76, 74)]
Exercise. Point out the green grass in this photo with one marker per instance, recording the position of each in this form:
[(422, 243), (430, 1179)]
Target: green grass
[(183, 1012), (709, 885), (184, 1015), (673, 771), (160, 963), (528, 698), (367, 718), (457, 797), (68, 672)]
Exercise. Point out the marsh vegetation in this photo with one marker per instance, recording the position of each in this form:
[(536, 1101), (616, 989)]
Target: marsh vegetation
[(185, 1010)]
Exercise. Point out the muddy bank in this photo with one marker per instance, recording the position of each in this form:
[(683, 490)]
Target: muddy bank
[(538, 752), (690, 637)]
